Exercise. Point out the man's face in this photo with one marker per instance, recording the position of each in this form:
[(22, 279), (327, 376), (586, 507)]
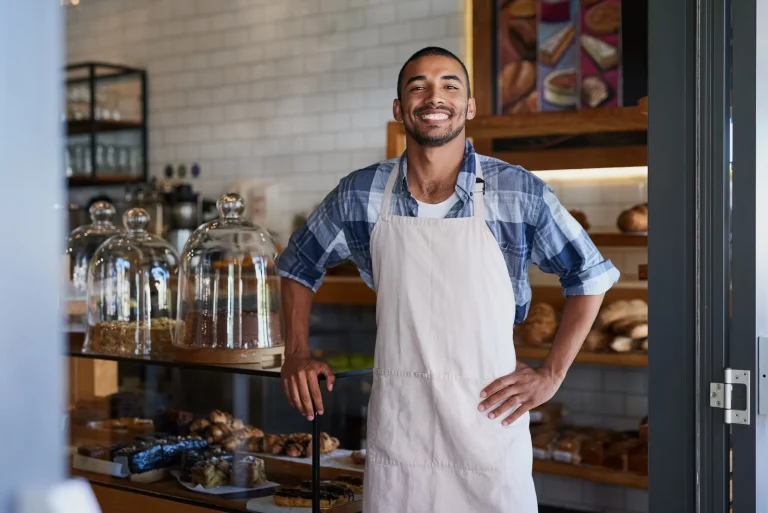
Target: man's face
[(433, 102)]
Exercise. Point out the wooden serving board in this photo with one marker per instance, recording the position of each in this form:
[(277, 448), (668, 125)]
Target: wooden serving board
[(270, 357)]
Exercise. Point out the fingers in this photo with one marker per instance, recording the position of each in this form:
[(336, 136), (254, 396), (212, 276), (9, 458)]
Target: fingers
[(507, 405), (294, 393), (306, 399), (314, 389), (288, 391), (326, 371), (498, 384), (500, 396), (524, 407)]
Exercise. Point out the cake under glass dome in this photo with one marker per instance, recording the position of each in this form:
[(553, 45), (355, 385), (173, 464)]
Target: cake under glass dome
[(229, 292)]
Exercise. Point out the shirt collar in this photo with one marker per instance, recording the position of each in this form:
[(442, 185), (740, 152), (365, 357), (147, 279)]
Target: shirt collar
[(465, 182)]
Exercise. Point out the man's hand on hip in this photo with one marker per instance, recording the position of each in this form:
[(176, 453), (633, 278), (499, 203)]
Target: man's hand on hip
[(300, 382), (527, 387)]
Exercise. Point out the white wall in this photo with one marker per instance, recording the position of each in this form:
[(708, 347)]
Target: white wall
[(298, 90)]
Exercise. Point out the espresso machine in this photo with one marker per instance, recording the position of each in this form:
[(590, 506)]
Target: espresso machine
[(185, 214)]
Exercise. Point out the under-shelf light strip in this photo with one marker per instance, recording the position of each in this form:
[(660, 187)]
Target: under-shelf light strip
[(592, 174)]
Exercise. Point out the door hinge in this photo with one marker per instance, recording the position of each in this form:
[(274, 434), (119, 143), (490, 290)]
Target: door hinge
[(721, 396)]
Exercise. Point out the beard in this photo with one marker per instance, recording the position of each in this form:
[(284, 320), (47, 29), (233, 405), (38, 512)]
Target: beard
[(433, 140)]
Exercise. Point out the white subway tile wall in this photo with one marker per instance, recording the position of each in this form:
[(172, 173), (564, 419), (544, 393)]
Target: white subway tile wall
[(301, 91), (253, 89)]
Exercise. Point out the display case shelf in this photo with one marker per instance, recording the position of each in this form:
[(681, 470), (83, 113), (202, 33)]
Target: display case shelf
[(589, 473), (76, 339), (618, 240), (631, 359), (85, 126)]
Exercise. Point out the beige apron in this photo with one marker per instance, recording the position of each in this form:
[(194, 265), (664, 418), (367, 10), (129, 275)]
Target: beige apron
[(445, 312)]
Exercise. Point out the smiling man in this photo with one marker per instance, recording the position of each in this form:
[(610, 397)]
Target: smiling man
[(445, 237)]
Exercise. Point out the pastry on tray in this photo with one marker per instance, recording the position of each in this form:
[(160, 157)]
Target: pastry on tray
[(297, 445), (248, 472), (211, 473), (301, 498), (343, 491), (355, 483)]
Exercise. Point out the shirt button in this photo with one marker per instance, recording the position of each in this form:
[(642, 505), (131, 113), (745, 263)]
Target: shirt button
[(471, 193)]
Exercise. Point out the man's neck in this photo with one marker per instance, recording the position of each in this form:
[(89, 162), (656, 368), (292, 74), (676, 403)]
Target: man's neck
[(433, 171)]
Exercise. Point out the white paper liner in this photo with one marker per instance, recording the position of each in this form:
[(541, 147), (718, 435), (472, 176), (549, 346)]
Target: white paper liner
[(219, 490), (340, 459), (110, 468)]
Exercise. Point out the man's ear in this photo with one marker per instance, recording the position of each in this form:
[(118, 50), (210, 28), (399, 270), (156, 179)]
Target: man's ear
[(471, 109), (397, 112)]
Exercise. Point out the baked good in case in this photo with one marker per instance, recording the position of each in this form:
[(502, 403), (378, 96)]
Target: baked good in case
[(302, 498), (634, 219), (211, 473), (353, 482), (540, 325), (597, 340), (580, 218), (248, 472)]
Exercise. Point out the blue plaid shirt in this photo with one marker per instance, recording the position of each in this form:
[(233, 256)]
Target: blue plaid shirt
[(521, 210)]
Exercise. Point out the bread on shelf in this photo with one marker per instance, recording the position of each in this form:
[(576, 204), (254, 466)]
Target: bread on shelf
[(634, 219)]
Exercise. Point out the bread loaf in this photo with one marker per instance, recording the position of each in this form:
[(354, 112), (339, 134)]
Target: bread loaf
[(581, 218), (597, 340), (634, 219), (540, 325)]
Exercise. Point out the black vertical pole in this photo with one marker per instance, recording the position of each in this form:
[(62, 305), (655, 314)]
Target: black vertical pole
[(92, 111), (315, 465)]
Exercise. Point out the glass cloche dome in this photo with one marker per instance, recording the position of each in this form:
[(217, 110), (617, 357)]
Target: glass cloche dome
[(229, 293), (131, 298), (83, 242)]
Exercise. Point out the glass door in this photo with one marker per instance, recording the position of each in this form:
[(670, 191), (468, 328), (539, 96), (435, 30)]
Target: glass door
[(748, 351)]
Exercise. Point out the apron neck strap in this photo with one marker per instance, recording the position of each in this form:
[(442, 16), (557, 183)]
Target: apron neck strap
[(478, 200), (386, 207)]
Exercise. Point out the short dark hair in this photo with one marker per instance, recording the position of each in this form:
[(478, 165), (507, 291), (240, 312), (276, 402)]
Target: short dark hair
[(430, 51)]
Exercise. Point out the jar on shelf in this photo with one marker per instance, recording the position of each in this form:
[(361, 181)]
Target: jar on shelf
[(83, 242), (132, 284), (229, 292)]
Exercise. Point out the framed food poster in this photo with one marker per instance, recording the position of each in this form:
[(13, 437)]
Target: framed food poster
[(601, 76), (558, 55), (516, 51)]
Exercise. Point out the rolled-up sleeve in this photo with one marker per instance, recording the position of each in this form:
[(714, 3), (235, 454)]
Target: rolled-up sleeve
[(562, 247), (317, 245)]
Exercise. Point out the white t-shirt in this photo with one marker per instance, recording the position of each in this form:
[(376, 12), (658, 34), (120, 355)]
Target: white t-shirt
[(437, 210)]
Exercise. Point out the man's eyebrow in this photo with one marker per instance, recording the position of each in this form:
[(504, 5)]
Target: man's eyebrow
[(423, 77), (414, 79)]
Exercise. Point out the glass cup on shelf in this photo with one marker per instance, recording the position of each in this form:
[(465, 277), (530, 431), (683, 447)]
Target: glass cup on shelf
[(229, 292), (132, 292)]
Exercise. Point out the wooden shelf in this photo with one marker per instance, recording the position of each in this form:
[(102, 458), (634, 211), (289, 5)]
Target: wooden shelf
[(619, 240), (343, 290), (351, 290), (84, 126), (536, 124), (633, 359), (102, 179), (594, 474)]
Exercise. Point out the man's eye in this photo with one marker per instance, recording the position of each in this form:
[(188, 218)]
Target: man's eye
[(452, 87)]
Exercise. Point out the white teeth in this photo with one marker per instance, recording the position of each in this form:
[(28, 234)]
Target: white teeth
[(435, 117)]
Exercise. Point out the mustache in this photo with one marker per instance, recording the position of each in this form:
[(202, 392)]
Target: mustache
[(447, 110)]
